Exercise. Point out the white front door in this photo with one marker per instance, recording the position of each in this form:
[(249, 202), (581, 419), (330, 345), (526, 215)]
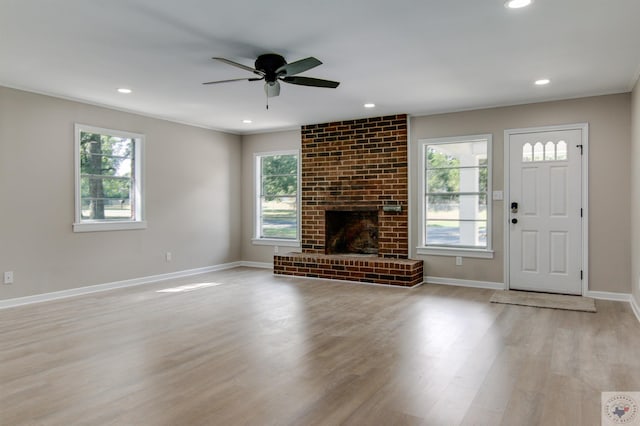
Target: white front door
[(545, 204)]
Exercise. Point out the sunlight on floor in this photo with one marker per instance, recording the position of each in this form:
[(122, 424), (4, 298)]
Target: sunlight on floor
[(187, 287)]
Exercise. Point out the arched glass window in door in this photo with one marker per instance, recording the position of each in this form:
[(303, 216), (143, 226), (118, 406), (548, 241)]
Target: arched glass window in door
[(561, 151), (538, 152), (549, 151), (527, 152)]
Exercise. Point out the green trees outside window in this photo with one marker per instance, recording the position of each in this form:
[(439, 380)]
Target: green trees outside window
[(108, 170), (456, 173), (278, 196)]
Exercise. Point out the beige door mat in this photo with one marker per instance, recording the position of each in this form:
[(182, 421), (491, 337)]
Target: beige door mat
[(544, 300)]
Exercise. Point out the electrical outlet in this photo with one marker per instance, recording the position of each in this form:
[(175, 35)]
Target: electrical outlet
[(8, 277), (275, 249), (458, 260), (168, 256)]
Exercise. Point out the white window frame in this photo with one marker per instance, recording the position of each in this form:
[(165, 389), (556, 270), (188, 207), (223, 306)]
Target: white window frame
[(423, 248), (84, 225), (257, 171)]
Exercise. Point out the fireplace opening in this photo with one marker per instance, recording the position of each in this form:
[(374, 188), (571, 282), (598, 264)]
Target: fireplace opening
[(351, 232)]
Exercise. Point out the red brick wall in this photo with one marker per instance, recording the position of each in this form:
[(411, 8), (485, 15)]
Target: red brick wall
[(356, 163)]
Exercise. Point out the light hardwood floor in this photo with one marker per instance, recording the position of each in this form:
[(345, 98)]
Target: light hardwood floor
[(264, 350)]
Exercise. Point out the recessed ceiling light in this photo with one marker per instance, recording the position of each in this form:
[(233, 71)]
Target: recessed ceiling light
[(124, 90), (369, 105), (247, 121), (543, 82), (517, 4)]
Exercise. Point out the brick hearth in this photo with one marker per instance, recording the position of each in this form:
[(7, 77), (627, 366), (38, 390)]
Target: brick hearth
[(399, 272), (355, 165)]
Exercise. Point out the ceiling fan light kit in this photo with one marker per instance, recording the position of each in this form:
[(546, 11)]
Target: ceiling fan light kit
[(272, 89), (273, 68)]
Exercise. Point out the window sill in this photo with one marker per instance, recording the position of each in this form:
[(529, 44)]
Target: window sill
[(463, 252), (275, 242), (108, 226)]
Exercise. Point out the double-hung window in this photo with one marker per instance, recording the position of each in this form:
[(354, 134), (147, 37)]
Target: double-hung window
[(455, 175), (277, 198), (108, 179)]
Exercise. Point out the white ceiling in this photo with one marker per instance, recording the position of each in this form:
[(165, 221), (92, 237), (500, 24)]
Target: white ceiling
[(407, 56)]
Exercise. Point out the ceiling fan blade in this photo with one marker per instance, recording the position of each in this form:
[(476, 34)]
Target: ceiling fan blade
[(233, 79), (272, 89), (307, 81), (235, 64), (298, 66)]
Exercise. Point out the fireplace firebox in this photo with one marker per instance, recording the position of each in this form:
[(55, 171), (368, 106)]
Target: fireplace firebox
[(351, 231)]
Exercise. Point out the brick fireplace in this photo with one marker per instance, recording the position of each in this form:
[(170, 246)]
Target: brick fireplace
[(354, 174)]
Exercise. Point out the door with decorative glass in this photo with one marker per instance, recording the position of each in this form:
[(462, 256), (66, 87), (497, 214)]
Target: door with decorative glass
[(545, 205)]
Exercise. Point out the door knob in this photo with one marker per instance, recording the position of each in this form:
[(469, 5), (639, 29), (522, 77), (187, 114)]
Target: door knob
[(514, 220)]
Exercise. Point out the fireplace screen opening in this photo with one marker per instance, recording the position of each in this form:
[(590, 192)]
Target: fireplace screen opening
[(351, 232)]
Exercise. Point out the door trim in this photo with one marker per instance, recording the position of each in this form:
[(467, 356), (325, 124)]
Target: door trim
[(584, 127)]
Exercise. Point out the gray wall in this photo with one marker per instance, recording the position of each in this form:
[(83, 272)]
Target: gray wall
[(193, 203), (609, 182), (635, 192)]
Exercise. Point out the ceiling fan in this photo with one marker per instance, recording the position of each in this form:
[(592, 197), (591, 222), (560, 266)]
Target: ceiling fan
[(273, 68)]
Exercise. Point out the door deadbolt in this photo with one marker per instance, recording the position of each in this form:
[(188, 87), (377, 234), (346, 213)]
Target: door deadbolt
[(514, 207)]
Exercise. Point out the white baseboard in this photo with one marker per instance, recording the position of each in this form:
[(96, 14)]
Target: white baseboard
[(634, 307), (464, 283), (617, 297), (46, 297), (263, 265), (607, 295)]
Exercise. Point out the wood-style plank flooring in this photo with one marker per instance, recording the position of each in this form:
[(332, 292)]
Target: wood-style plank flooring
[(265, 350)]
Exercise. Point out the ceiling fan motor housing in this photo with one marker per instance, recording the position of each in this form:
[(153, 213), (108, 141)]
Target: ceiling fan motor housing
[(269, 63)]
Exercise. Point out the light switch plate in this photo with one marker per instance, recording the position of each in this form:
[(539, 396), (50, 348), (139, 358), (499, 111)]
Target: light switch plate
[(497, 195)]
